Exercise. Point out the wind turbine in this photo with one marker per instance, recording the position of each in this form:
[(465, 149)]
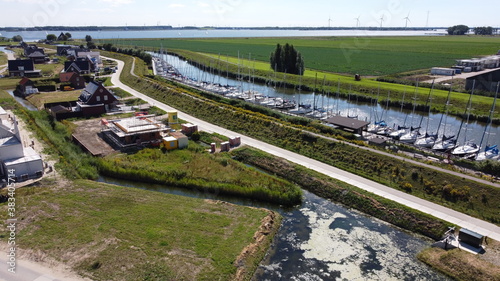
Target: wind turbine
[(357, 21), (381, 21), (407, 19), (329, 21)]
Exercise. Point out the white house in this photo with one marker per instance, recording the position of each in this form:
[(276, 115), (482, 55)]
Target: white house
[(23, 161)]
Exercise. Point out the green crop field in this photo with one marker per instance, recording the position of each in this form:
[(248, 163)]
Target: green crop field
[(372, 56)]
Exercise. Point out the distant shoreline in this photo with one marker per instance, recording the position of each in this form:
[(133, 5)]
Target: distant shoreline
[(168, 27)]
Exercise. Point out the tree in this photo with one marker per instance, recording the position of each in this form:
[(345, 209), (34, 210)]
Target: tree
[(483, 30), (287, 59), (88, 38), (68, 35), (90, 45), (458, 30), (51, 37), (17, 38)]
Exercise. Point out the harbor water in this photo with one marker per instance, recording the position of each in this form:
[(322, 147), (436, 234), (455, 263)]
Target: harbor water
[(321, 240), (450, 125)]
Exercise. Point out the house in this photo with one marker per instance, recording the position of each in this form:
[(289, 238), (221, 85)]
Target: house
[(26, 87), (62, 50), (30, 49), (22, 68), (138, 130), (74, 79), (81, 66), (95, 57), (37, 57), (22, 161), (95, 99)]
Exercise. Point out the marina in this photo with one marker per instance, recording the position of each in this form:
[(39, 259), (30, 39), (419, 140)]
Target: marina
[(438, 133)]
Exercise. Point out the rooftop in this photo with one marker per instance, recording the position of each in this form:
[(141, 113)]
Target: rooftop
[(347, 122)]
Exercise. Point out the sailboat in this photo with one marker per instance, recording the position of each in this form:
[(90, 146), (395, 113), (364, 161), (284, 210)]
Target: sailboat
[(469, 147), (491, 151), (445, 143), (300, 108), (411, 135), (427, 140)]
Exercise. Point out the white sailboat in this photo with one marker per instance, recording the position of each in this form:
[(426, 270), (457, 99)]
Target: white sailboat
[(445, 143), (469, 146), (427, 140), (491, 151)]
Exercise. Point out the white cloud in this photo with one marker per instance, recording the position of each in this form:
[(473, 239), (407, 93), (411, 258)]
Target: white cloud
[(116, 3), (176, 6), (203, 4)]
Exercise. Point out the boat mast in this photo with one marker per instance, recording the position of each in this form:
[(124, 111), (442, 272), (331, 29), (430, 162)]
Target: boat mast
[(488, 125), (446, 105), (467, 111)]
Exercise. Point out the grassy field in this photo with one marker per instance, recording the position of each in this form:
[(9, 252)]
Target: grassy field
[(3, 58), (334, 57), (464, 266), (364, 55), (39, 100), (106, 232), (194, 168)]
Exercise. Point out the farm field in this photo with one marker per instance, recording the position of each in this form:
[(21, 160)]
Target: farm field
[(368, 56)]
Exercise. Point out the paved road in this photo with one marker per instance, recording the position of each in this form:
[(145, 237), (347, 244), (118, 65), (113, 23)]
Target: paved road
[(31, 271), (463, 75), (460, 219), (10, 56)]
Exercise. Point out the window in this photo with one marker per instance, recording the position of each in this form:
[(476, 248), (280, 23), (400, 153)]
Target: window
[(98, 98), (172, 144), (105, 97)]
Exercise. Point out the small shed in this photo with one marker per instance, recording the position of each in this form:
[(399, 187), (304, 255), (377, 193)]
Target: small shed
[(224, 146), (443, 71), (470, 237), (349, 124), (377, 141), (189, 128), (170, 143), (182, 140)]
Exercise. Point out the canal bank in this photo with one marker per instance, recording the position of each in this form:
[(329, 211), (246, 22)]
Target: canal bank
[(321, 240)]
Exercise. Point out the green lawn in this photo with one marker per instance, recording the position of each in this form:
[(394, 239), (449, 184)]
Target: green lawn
[(3, 58), (106, 232), (40, 99)]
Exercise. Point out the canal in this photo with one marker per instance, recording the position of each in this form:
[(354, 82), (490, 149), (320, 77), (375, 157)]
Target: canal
[(447, 124)]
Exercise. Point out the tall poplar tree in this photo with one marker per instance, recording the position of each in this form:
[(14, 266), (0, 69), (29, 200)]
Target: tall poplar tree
[(287, 59)]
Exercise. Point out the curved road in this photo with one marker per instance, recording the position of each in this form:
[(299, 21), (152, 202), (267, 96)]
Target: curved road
[(454, 217)]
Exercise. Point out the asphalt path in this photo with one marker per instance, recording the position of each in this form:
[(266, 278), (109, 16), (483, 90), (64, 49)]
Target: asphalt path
[(452, 216)]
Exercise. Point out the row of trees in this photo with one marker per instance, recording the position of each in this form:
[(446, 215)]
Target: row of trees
[(483, 30), (463, 29), (287, 59), (146, 57)]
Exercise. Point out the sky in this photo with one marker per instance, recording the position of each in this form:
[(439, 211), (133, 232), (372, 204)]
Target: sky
[(249, 13)]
